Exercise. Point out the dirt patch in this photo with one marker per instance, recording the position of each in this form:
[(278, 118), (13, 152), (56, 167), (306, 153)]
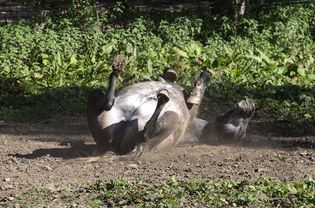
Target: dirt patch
[(42, 155)]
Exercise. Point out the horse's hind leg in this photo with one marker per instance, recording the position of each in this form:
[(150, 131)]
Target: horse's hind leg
[(164, 129), (233, 123), (158, 128)]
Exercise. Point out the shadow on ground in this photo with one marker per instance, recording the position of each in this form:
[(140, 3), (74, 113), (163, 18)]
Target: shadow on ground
[(26, 108), (59, 126), (78, 149), (67, 150)]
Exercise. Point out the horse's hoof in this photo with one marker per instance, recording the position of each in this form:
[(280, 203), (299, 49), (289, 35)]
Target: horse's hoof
[(118, 63), (163, 96), (246, 107), (170, 75)]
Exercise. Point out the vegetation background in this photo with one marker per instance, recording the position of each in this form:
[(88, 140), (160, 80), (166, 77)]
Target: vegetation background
[(49, 62)]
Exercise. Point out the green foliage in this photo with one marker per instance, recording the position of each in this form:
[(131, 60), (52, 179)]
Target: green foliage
[(44, 105), (269, 56), (176, 193), (179, 193), (81, 13)]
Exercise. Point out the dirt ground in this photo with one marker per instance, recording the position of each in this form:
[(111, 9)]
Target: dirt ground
[(42, 155)]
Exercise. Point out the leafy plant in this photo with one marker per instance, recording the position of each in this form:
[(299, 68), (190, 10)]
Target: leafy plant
[(270, 58), (180, 193)]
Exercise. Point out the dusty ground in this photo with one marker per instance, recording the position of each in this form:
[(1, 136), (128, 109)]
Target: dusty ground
[(41, 155)]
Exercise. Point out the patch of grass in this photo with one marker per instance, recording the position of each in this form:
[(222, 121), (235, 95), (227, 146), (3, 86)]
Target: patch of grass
[(181, 193)]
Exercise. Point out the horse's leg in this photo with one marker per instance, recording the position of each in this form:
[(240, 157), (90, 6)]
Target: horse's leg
[(232, 124), (164, 128), (100, 107), (117, 68), (195, 97), (130, 138), (158, 128)]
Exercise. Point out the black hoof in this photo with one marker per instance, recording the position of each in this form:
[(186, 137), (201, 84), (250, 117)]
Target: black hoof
[(205, 77), (246, 107), (162, 97), (170, 75), (118, 64)]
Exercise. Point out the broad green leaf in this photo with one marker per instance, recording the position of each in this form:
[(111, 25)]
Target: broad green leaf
[(281, 70), (38, 75), (73, 60), (93, 59), (301, 71), (59, 61), (292, 189), (135, 52), (180, 52), (44, 56), (198, 49), (129, 48), (107, 49), (228, 51), (308, 116), (264, 57), (236, 72), (150, 68), (256, 58), (311, 76), (45, 62)]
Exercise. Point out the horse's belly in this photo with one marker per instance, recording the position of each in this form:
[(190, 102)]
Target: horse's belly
[(137, 107)]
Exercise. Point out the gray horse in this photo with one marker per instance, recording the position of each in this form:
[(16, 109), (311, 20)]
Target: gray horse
[(156, 115)]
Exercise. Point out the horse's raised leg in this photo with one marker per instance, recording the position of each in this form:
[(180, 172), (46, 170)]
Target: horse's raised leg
[(100, 105), (165, 128), (117, 66), (195, 98), (158, 128), (232, 124), (99, 100)]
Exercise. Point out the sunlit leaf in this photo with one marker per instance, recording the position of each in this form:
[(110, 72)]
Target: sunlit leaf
[(129, 48), (180, 52), (150, 68), (73, 60), (107, 49), (301, 71), (256, 58), (59, 61)]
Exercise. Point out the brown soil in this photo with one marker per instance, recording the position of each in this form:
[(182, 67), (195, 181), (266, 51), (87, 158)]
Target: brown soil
[(42, 155)]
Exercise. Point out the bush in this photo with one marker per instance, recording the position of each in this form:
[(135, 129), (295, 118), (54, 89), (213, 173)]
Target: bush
[(270, 58)]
